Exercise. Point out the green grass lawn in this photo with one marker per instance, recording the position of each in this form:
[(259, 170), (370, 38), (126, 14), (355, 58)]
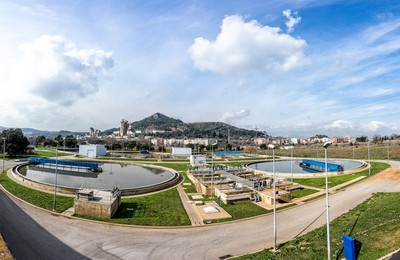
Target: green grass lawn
[(35, 197), (182, 169), (160, 209), (336, 180), (375, 224), (241, 210), (302, 193)]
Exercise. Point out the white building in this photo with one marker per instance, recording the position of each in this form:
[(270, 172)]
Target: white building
[(181, 151), (92, 150), (197, 160)]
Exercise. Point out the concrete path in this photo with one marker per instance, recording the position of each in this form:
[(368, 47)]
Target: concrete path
[(195, 219), (104, 241)]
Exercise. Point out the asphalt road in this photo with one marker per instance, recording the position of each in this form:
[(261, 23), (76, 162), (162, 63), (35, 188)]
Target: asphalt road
[(27, 239), (103, 241)]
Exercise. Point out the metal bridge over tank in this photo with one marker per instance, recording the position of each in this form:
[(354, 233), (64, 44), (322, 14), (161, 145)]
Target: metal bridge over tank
[(320, 166), (91, 166)]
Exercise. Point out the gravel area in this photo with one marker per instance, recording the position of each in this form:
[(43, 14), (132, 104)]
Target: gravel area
[(4, 252)]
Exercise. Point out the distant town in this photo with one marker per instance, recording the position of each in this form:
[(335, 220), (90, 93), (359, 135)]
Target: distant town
[(159, 132)]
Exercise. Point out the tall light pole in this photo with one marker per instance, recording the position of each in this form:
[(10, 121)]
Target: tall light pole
[(369, 161), (212, 167), (271, 146), (55, 182), (388, 150), (291, 163), (256, 141), (4, 151), (326, 145)]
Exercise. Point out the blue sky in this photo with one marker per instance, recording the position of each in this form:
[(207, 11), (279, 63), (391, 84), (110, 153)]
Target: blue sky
[(291, 68)]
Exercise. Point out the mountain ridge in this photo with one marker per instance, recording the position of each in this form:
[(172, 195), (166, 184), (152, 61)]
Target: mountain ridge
[(161, 125)]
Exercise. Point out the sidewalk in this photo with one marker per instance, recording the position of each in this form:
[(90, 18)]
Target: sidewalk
[(189, 207)]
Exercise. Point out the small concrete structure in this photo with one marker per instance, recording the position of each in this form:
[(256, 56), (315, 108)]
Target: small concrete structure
[(268, 196), (92, 150), (211, 216), (197, 160), (97, 203)]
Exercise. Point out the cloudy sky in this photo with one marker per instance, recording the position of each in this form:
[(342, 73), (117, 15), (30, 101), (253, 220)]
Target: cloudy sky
[(291, 68)]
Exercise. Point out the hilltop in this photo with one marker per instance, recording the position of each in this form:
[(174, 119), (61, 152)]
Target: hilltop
[(157, 121), (164, 126)]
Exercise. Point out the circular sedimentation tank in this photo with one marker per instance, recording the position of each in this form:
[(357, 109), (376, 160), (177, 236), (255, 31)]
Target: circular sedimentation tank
[(287, 167), (131, 179)]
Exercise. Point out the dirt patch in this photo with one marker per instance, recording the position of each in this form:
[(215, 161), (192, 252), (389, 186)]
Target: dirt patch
[(390, 174), (4, 252)]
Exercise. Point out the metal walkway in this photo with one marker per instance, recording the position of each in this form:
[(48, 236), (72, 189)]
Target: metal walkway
[(92, 166), (244, 181), (320, 166)]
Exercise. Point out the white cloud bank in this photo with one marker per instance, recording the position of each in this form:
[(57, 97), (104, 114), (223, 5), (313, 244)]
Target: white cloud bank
[(248, 46), (348, 126), (230, 117), (333, 128), (56, 71), (50, 75)]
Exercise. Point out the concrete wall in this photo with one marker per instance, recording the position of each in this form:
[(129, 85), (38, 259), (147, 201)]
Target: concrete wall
[(99, 210)]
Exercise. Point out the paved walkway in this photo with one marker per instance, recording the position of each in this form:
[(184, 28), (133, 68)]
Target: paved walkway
[(195, 219)]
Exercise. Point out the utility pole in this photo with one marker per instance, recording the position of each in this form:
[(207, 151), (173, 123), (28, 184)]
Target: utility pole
[(256, 141), (4, 151)]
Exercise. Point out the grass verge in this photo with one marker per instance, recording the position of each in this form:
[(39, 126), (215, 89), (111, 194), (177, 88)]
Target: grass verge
[(302, 193), (241, 210), (374, 224), (35, 197), (160, 209)]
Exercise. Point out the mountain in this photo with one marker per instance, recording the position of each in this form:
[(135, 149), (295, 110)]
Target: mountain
[(160, 125), (35, 132), (157, 121), (164, 126)]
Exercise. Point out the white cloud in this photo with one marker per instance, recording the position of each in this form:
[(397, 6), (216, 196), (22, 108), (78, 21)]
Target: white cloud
[(50, 75), (292, 19), (243, 46), (340, 124), (349, 127), (55, 71), (332, 128), (230, 117), (375, 126)]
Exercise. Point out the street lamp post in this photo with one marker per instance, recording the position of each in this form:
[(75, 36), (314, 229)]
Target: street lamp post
[(55, 182), (212, 167), (4, 151), (291, 163), (271, 146), (369, 161), (388, 151), (326, 145)]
